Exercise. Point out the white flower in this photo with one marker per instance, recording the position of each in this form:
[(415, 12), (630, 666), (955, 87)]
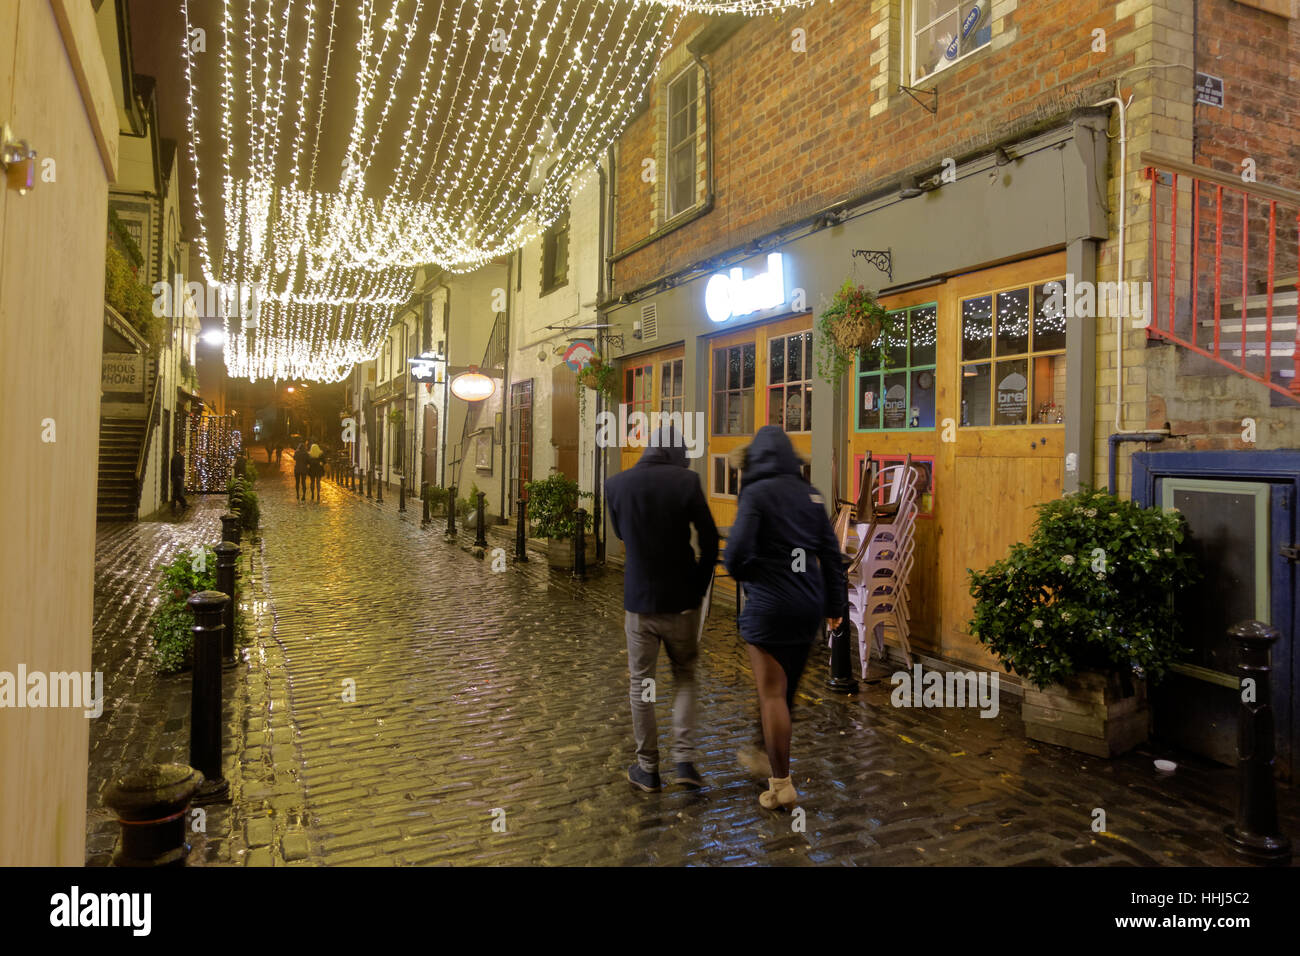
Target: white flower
[(1101, 576), (1155, 552), (1169, 550), (1038, 622), (1065, 615), (1091, 512), (1067, 559)]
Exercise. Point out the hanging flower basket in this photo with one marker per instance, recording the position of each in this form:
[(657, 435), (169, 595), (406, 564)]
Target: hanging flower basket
[(853, 325), (595, 375)]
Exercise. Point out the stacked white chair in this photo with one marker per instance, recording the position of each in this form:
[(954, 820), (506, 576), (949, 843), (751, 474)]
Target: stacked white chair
[(884, 548)]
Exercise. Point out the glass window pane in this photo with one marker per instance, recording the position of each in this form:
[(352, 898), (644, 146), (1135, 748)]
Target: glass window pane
[(975, 393), (746, 403), (776, 361), (627, 386), (719, 413), (924, 325), (733, 368), (795, 362), (647, 384), (977, 328), (807, 356), (719, 369), (1049, 318), (869, 401), (895, 402), (1013, 322), (921, 413), (807, 409), (934, 47), (677, 377), (750, 359), (719, 474), (775, 404), (896, 344), (794, 409), (1049, 389), (665, 381), (1011, 393)]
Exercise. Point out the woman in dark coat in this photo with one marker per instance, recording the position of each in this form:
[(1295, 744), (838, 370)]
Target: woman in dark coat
[(783, 551)]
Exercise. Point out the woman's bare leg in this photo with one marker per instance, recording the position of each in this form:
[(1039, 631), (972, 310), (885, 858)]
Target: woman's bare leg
[(770, 681)]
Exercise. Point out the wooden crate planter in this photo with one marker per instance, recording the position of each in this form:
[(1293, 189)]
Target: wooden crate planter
[(1090, 713), (559, 552)]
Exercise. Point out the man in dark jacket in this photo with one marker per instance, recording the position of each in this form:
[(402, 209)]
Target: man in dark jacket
[(301, 468), (178, 480), (652, 507)]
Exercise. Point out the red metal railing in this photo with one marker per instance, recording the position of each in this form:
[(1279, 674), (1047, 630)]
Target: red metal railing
[(1259, 336)]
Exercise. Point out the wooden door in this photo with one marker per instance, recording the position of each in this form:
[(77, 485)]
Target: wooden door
[(651, 382), (981, 380), (429, 464), (564, 420)]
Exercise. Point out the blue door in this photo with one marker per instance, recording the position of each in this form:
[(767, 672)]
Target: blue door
[(1241, 513)]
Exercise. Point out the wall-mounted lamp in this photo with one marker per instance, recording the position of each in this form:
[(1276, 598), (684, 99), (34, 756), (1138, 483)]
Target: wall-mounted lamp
[(19, 161)]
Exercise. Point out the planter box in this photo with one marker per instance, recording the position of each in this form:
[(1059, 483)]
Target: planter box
[(1090, 713), (559, 552)]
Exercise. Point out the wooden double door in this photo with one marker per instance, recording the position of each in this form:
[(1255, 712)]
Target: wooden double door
[(975, 394)]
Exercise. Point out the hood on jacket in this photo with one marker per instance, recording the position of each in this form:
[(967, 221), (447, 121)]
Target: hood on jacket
[(768, 455), (666, 448)]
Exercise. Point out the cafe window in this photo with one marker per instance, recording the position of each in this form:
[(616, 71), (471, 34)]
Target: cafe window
[(726, 478), (789, 382), (1013, 358), (924, 487), (637, 392), (682, 153), (898, 394), (672, 397), (945, 31), (733, 390)]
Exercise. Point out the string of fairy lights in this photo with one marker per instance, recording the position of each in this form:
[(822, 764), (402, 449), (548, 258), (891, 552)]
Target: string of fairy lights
[(468, 124)]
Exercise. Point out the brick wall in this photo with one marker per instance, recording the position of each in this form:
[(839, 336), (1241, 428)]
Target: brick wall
[(796, 131)]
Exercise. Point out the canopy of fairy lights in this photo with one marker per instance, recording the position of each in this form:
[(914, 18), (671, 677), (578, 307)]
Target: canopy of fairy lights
[(337, 146)]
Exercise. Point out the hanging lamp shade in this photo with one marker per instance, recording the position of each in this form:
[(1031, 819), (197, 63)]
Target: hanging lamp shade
[(472, 386)]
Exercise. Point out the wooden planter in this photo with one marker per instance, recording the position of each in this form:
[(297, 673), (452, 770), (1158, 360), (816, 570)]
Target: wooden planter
[(559, 552), (1091, 713)]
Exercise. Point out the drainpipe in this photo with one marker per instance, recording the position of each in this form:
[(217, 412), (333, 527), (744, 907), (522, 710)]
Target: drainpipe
[(505, 388), (446, 378), (598, 452), (1124, 438)]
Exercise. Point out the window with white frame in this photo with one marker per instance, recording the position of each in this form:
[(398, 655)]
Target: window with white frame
[(789, 377), (682, 132), (944, 31), (671, 396), (726, 478)]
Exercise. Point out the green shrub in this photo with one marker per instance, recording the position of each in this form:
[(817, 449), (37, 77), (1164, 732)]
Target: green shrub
[(243, 501), (131, 298), (551, 505), (1092, 590), (171, 624)]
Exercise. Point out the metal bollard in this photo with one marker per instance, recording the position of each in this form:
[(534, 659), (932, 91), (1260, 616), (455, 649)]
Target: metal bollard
[(370, 482), (580, 545), (1255, 835), (151, 803), (379, 489), (209, 609), (401, 495), (480, 536), (451, 512), (230, 529), (424, 497), (841, 679), (521, 532), (227, 563)]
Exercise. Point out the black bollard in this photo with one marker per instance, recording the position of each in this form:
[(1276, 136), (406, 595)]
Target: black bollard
[(379, 489), (230, 529), (401, 495), (1255, 835), (521, 532), (151, 803), (209, 609), (424, 497), (580, 544), (841, 679), (451, 512), (227, 563), (370, 482), (480, 535)]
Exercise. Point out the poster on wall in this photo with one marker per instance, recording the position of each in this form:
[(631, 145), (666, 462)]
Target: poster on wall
[(1012, 400), (122, 372), (483, 451)]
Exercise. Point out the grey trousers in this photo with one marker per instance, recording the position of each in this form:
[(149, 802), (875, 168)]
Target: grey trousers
[(679, 633)]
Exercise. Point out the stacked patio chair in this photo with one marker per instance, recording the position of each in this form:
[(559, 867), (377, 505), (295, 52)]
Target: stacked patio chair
[(883, 546)]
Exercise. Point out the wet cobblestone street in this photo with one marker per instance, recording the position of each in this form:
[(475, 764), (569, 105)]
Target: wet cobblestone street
[(487, 698)]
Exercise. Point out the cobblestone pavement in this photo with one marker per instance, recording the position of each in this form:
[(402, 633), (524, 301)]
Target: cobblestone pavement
[(146, 716), (491, 726)]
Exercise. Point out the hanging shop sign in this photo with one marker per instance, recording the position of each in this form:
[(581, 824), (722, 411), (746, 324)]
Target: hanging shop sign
[(729, 295), (472, 386), (424, 371), (579, 353)]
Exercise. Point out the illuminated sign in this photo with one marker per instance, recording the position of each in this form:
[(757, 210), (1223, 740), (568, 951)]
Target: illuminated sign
[(731, 295)]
